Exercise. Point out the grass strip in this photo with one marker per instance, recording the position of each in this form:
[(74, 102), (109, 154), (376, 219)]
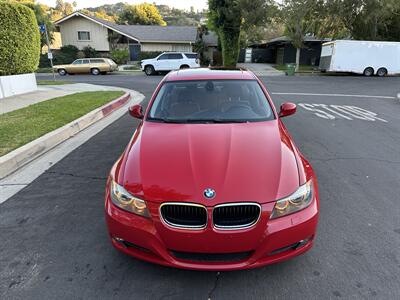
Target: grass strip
[(24, 125)]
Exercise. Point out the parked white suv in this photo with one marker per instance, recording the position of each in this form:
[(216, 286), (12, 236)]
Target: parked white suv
[(169, 61)]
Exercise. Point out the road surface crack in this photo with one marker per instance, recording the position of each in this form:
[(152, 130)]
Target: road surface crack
[(76, 176), (210, 294)]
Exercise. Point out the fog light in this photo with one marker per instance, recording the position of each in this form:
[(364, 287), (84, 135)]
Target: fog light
[(301, 243), (294, 246)]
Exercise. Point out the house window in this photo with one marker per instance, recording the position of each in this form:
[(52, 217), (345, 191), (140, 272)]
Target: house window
[(83, 36)]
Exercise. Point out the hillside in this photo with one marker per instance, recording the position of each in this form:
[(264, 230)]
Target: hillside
[(172, 16)]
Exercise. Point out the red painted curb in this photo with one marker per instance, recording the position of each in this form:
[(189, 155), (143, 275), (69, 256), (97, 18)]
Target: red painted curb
[(116, 104)]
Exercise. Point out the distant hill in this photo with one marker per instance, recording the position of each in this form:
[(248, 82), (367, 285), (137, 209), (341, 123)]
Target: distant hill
[(172, 16)]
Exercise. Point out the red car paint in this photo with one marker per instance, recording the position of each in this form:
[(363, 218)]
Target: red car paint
[(243, 162)]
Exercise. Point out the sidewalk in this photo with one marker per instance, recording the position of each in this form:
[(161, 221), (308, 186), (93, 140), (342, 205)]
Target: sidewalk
[(46, 92), (261, 69)]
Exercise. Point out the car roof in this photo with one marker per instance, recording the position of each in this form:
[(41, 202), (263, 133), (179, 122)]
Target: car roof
[(210, 73)]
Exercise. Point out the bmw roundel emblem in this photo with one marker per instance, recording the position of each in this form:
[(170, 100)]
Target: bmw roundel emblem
[(209, 193)]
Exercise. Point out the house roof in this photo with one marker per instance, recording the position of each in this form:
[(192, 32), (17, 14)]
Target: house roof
[(144, 33), (152, 33), (210, 39)]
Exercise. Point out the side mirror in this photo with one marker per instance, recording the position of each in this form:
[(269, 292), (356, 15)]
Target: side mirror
[(287, 109), (136, 111)]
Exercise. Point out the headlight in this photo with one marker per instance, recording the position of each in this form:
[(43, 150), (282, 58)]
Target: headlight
[(295, 202), (121, 198)]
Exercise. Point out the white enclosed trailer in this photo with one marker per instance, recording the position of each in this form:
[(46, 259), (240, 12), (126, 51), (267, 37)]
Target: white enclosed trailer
[(361, 57)]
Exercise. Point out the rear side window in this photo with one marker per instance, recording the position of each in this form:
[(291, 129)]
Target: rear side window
[(97, 61), (191, 55), (85, 61), (110, 61), (174, 56)]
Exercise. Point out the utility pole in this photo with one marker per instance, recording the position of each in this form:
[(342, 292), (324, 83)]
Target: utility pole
[(43, 29)]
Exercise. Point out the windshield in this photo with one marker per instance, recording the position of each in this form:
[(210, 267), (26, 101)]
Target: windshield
[(211, 101)]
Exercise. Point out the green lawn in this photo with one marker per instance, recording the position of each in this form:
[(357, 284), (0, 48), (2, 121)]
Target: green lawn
[(302, 68), (52, 82), (24, 125)]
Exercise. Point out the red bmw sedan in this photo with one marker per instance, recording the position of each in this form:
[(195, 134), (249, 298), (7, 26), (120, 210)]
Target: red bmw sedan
[(211, 179)]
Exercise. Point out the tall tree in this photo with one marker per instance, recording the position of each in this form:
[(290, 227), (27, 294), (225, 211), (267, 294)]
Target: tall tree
[(65, 8), (42, 15), (371, 19), (299, 19), (143, 14), (228, 17)]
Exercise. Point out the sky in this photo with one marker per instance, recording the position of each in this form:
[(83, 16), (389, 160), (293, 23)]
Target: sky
[(182, 4)]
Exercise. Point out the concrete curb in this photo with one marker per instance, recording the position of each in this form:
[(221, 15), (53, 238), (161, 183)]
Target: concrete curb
[(14, 160)]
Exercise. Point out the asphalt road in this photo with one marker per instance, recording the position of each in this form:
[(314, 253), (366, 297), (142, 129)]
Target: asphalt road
[(53, 241)]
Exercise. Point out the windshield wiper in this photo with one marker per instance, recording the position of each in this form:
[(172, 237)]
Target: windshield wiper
[(216, 121), (165, 120), (191, 121)]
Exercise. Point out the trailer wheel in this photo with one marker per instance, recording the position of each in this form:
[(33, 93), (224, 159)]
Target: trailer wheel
[(368, 72), (382, 72)]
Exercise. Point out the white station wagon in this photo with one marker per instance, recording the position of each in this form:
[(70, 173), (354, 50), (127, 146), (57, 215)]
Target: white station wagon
[(169, 61)]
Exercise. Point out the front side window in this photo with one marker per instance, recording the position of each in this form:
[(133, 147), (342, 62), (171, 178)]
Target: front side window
[(77, 62), (163, 57), (83, 36), (211, 101)]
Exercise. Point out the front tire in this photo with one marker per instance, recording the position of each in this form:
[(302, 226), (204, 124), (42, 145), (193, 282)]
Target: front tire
[(62, 72), (368, 72), (149, 70), (382, 72), (184, 67)]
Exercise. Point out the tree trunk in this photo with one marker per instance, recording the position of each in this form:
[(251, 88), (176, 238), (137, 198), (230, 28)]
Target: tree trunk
[(230, 48), (297, 59)]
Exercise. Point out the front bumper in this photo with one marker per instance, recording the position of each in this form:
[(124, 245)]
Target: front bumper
[(269, 241)]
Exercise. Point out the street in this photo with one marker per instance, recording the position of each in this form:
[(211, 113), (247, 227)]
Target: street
[(54, 243)]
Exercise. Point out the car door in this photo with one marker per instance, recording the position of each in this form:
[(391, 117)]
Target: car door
[(85, 67), (162, 63), (175, 61), (74, 67)]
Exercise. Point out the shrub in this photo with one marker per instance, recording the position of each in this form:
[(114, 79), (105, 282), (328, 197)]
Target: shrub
[(81, 54), (90, 52), (68, 54), (147, 55), (120, 56), (19, 39)]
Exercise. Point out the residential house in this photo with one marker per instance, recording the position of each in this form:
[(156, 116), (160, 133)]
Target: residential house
[(281, 51), (82, 30)]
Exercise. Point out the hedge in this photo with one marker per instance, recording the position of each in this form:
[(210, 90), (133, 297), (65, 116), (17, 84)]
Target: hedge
[(120, 56), (147, 55), (19, 39), (66, 55)]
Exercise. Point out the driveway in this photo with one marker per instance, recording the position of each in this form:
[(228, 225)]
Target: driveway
[(262, 69), (54, 243)]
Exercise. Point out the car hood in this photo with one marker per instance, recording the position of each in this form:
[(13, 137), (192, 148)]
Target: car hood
[(249, 162)]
